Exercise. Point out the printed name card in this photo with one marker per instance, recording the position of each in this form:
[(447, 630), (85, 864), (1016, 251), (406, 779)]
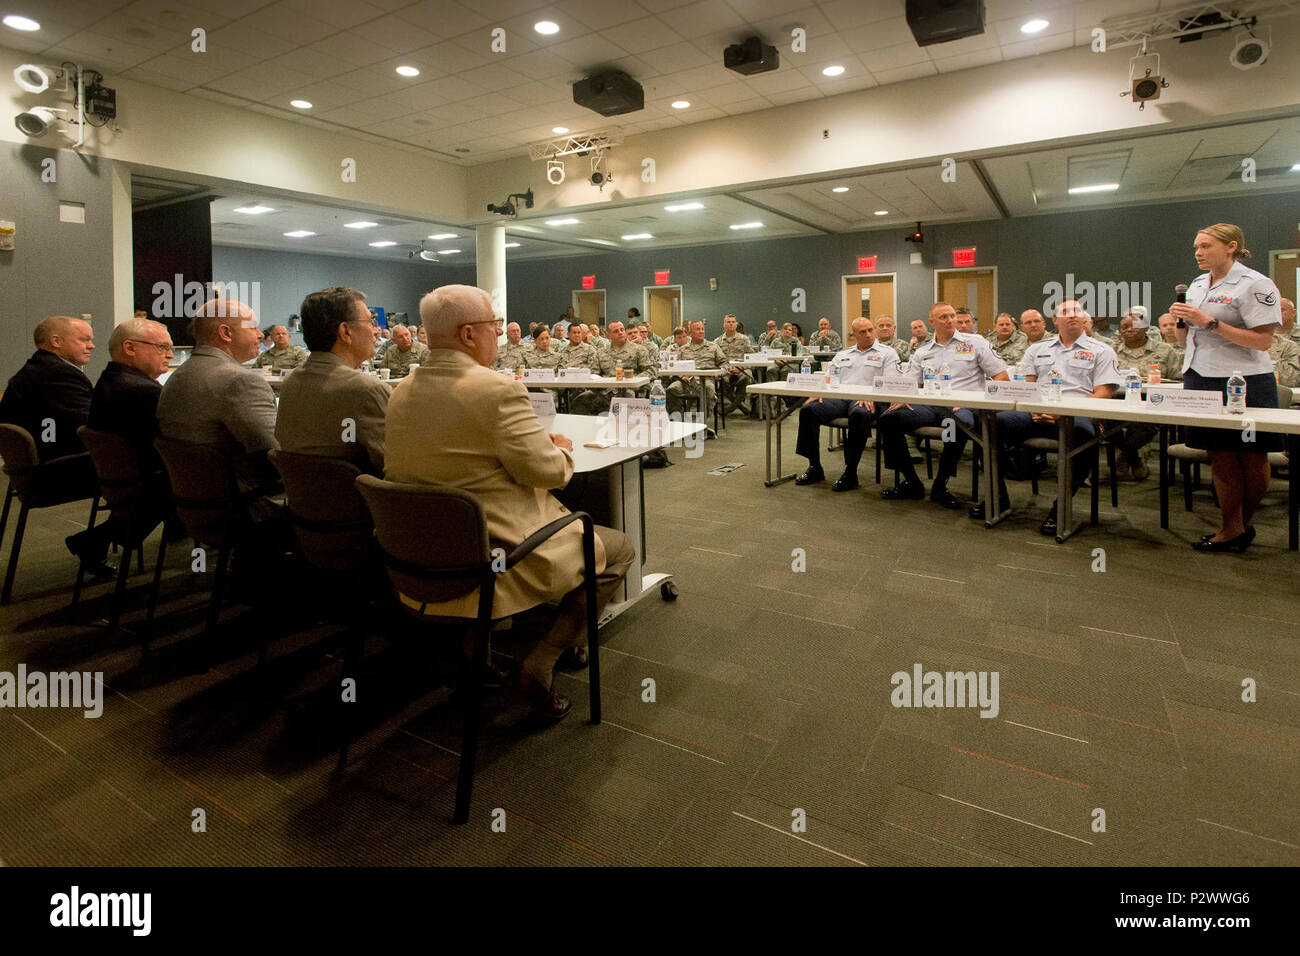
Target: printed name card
[(893, 382), (771, 352), (544, 405), (683, 365), (1016, 391), (576, 374), (811, 380), (1183, 400), (539, 375), (756, 356)]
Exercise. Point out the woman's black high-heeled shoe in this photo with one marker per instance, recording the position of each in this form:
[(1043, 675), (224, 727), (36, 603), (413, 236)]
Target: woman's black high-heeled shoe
[(1238, 544)]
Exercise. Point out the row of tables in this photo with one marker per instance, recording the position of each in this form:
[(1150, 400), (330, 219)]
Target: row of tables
[(1276, 420)]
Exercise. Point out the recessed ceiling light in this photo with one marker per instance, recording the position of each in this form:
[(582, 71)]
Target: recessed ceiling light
[(443, 235), (748, 225), (559, 130), (300, 104), (835, 70), (681, 104), (1033, 26), (384, 243), (300, 234), (1099, 188), (448, 252), (562, 222), (639, 235), (546, 27), (882, 212), (15, 22), (254, 210), (361, 224), (840, 189), (512, 245), (683, 206), (407, 71)]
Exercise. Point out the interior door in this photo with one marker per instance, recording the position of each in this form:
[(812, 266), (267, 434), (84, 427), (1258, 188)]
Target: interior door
[(1285, 271), (663, 305), (589, 306), (867, 296), (976, 289)]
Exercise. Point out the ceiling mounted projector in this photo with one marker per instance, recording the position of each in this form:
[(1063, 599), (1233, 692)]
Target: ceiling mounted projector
[(611, 93), (938, 21), (752, 56)]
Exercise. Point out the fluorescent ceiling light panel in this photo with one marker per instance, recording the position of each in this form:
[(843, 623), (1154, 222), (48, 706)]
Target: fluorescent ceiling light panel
[(300, 234), (360, 224), (683, 206), (384, 243), (748, 225), (639, 235), (1099, 188), (443, 235), (562, 222), (255, 210)]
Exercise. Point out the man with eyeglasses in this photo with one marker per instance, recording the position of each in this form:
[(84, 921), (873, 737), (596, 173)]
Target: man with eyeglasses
[(329, 391), (125, 401)]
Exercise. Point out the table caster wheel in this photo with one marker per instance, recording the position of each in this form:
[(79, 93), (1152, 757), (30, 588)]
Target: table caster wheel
[(668, 591)]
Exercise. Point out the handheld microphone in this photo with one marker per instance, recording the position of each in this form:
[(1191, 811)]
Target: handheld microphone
[(1180, 295)]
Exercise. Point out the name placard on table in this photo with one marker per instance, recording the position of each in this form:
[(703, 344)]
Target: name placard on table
[(756, 357), (1186, 400), (576, 374), (773, 352), (1017, 391), (893, 382), (544, 405), (539, 375), (685, 365), (810, 380)]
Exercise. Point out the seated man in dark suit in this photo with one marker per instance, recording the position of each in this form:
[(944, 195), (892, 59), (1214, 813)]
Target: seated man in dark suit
[(50, 397), (125, 402), (328, 407)]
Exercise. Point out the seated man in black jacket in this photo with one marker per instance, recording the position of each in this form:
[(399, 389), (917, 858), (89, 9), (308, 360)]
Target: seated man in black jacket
[(125, 402), (50, 397)]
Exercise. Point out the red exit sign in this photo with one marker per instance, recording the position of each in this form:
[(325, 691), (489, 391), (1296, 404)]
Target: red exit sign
[(866, 263), (589, 282), (661, 277), (963, 257)]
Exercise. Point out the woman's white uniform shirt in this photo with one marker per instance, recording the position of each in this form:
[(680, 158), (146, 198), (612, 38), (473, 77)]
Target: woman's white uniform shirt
[(1243, 298)]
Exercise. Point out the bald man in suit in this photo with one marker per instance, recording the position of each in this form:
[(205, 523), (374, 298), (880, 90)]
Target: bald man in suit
[(455, 422)]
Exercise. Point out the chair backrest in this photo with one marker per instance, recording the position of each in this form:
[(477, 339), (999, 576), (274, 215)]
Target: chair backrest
[(116, 464), (18, 449), (204, 488), (328, 514), (431, 530), (1284, 396)]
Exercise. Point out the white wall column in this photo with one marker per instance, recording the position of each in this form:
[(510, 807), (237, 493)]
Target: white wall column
[(123, 252), (490, 251)]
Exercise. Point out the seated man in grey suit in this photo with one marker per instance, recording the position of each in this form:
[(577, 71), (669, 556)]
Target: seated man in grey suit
[(214, 400), (328, 407)]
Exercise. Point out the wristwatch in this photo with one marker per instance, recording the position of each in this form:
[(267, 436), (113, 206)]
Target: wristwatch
[(1212, 324)]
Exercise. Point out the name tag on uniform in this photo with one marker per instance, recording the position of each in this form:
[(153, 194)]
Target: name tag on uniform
[(1083, 359), (539, 375), (683, 365)]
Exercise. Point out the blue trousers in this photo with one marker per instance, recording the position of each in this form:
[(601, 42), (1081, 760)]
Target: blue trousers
[(895, 425), (813, 415), (1015, 427)]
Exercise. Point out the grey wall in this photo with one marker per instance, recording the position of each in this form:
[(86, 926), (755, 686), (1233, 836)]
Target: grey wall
[(56, 267), (1136, 244), (287, 277)]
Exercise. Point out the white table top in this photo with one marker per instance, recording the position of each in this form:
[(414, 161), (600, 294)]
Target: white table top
[(630, 382), (958, 398), (584, 428), (1283, 420), (701, 372)]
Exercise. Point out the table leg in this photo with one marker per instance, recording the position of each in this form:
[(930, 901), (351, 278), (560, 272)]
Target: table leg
[(991, 484), (705, 393), (1293, 492), (1164, 477), (1064, 473)]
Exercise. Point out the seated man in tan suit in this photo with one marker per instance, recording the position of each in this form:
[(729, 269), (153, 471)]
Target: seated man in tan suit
[(328, 407), (455, 422)]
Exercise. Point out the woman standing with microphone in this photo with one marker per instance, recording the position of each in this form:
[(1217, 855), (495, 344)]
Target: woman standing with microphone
[(1227, 324)]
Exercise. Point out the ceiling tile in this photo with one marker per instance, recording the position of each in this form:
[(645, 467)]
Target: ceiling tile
[(795, 96), (966, 61), (350, 49), (705, 78), (444, 18), (846, 14), (100, 52), (310, 63), (535, 93), (541, 65), (455, 56), (638, 36), (781, 81), (725, 93), (198, 69), (161, 35), (450, 89), (1037, 46), (588, 51), (889, 33), (894, 57), (704, 17), (340, 14), (679, 56), (602, 14), (755, 11), (247, 39), (495, 77), (281, 20), (142, 75), (398, 35), (746, 106), (810, 19), (903, 73)]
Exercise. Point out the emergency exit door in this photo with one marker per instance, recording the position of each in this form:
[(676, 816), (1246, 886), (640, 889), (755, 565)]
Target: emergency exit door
[(866, 296), (975, 289)]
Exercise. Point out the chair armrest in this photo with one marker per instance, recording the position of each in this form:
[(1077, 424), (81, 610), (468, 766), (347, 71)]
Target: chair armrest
[(534, 540)]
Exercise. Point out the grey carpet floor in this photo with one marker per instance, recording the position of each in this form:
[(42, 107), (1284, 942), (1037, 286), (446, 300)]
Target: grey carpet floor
[(1121, 735)]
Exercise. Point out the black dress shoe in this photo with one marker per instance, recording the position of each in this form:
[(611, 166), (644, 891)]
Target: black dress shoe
[(811, 477), (1250, 531), (907, 491), (546, 702), (574, 659), (1238, 544), (1048, 527), (845, 482), (945, 498), (98, 569)]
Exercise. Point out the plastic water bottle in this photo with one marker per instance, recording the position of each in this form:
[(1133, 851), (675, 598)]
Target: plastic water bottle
[(1053, 385), (1153, 374), (835, 376), (1132, 386), (931, 383), (365, 366), (658, 401), (806, 367), (1237, 394), (945, 379)]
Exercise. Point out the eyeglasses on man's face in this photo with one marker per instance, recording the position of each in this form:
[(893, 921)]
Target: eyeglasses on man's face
[(164, 349), (499, 323)]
